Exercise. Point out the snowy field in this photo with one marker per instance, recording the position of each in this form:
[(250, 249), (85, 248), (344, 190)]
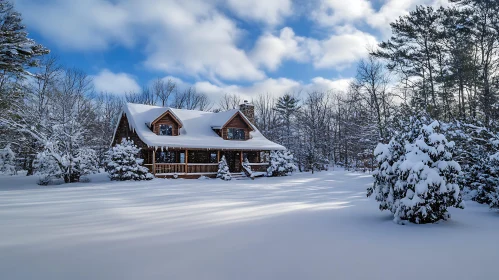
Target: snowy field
[(306, 226)]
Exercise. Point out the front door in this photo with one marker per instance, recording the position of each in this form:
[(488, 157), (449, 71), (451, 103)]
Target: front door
[(233, 161)]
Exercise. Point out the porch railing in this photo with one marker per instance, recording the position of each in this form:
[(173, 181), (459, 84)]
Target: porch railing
[(180, 168), (197, 168), (173, 168)]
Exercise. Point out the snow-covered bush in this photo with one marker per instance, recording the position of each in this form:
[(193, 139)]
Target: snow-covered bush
[(7, 161), (123, 163), (46, 168), (489, 189), (475, 148), (281, 163), (85, 163), (223, 170), (51, 165), (385, 177), (417, 179)]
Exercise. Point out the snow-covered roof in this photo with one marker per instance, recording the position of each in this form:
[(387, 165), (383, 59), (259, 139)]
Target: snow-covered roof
[(196, 131)]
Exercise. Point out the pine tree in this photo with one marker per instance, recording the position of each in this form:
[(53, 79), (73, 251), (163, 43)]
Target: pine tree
[(281, 163), (123, 163), (223, 170), (85, 163), (417, 179), (494, 180), (17, 51), (287, 107), (7, 161), (475, 147)]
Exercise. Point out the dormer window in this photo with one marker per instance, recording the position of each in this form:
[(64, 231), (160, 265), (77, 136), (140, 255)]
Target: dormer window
[(235, 134), (165, 129)]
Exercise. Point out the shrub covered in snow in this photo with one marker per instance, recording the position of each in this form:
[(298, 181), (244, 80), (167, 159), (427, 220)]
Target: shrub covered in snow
[(50, 164), (46, 168), (489, 189), (417, 179), (7, 161), (475, 147), (223, 170), (123, 163), (281, 163)]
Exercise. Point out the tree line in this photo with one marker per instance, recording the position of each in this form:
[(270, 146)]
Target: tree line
[(443, 62)]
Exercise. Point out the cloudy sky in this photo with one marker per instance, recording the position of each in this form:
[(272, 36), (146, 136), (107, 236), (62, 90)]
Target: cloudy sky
[(235, 46)]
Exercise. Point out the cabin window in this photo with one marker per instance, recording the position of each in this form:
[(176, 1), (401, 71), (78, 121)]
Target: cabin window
[(165, 129), (213, 158), (235, 134), (166, 157)]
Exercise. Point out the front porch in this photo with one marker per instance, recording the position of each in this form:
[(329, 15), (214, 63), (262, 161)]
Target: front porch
[(195, 163)]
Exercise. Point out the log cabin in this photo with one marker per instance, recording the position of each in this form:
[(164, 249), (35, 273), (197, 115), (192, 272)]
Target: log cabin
[(190, 143)]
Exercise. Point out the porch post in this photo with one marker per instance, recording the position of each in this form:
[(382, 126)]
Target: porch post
[(154, 161), (241, 157), (218, 156), (186, 159)]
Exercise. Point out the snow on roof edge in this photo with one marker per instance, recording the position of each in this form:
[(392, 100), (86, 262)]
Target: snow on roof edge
[(192, 139)]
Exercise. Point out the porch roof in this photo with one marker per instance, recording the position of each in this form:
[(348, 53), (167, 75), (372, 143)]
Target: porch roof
[(196, 132)]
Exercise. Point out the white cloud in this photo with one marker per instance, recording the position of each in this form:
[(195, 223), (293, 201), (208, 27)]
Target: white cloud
[(275, 87), (267, 11), (115, 83), (270, 50), (321, 84), (190, 37), (78, 25), (342, 49), (333, 12), (195, 39), (345, 46)]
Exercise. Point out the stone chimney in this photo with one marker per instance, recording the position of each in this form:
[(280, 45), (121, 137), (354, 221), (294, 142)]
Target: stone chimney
[(248, 110)]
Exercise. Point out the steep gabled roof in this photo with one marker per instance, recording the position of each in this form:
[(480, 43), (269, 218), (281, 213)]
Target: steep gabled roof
[(196, 131), (168, 111), (221, 119)]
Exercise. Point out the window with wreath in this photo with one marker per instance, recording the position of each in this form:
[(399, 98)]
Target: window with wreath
[(165, 129), (235, 134)]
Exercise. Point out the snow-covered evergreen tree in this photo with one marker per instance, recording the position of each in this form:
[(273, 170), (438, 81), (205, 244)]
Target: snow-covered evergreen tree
[(86, 162), (494, 180), (123, 163), (223, 170), (7, 161), (417, 179), (475, 147), (281, 163), (385, 177)]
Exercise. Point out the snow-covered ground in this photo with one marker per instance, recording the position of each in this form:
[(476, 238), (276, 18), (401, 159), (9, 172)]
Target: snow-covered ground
[(305, 226)]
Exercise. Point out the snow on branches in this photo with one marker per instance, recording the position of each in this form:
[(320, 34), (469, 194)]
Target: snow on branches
[(223, 170), (417, 178), (52, 163), (7, 161), (476, 150), (281, 163), (123, 163)]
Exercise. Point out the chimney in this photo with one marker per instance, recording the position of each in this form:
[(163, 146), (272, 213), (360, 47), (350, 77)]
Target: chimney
[(248, 110)]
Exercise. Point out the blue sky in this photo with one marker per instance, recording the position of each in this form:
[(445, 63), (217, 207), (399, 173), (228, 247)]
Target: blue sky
[(245, 47)]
